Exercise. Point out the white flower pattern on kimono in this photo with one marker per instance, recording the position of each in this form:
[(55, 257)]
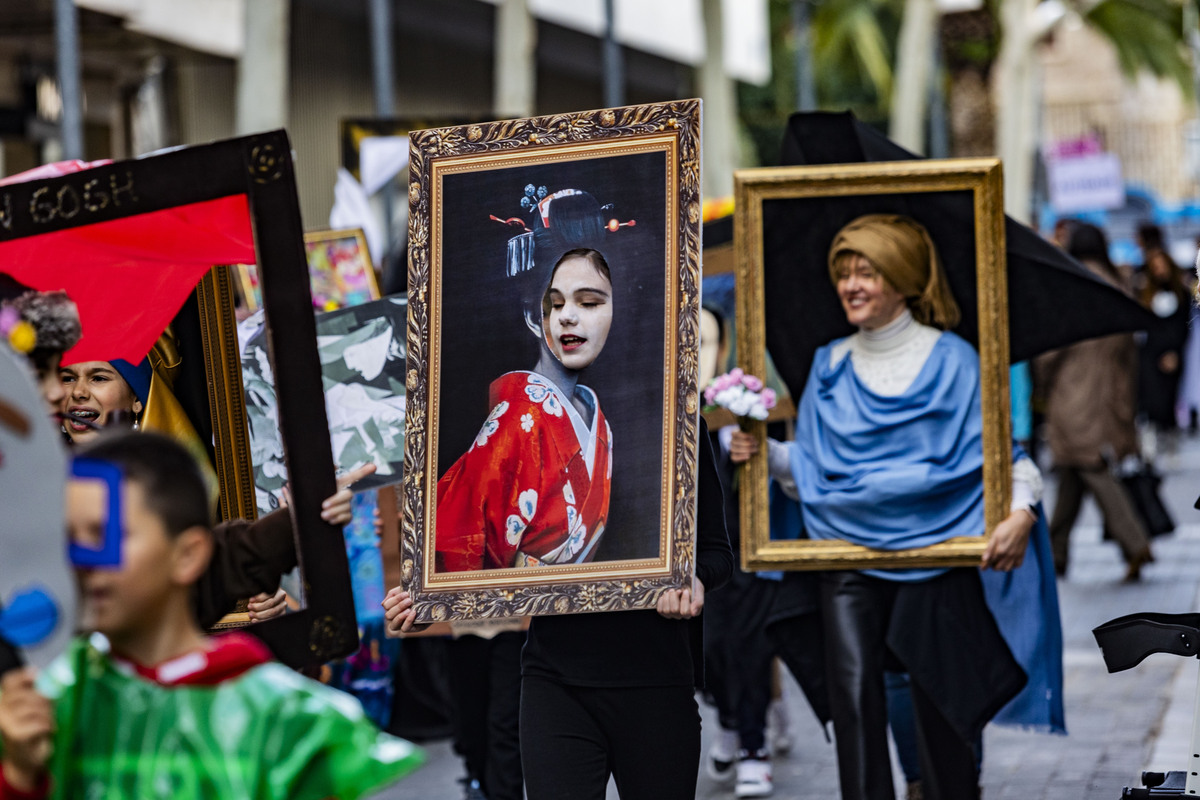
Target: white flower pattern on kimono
[(541, 392), (568, 493), (576, 532), (527, 503), (527, 422), (514, 526), (491, 424)]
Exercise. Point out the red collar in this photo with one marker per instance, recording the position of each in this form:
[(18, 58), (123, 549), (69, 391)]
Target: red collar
[(227, 656)]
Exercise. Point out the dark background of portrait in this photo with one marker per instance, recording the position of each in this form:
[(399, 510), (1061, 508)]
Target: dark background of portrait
[(797, 234), (483, 332)]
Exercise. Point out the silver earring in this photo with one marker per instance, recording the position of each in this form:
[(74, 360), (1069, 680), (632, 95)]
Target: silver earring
[(135, 424)]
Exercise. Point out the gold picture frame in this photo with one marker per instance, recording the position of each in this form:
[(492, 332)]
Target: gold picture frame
[(340, 271), (339, 268), (645, 161), (979, 183)]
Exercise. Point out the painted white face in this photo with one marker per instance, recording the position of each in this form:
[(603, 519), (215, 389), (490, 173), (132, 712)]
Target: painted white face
[(580, 312), (869, 301)]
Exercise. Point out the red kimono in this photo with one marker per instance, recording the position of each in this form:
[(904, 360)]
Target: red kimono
[(533, 488)]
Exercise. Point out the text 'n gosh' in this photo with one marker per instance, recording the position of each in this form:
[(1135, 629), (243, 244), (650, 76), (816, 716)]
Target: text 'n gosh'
[(68, 201)]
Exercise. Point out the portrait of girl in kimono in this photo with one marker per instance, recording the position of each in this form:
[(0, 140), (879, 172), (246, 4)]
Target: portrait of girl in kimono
[(533, 487)]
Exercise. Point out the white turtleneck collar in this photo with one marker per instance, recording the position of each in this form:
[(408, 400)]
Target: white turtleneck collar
[(892, 335), (888, 359)]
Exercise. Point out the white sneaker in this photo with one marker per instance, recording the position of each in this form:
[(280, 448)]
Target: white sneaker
[(754, 776), (722, 756)]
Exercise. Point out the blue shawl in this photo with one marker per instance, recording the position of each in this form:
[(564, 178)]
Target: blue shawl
[(1025, 605), (892, 473)]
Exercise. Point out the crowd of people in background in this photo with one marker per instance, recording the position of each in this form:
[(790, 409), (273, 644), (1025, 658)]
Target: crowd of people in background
[(1114, 405)]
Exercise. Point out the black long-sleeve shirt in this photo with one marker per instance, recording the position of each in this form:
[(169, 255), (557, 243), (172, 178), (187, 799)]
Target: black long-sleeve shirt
[(639, 648)]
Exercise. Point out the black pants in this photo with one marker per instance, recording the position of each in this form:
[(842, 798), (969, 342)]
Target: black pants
[(485, 680), (857, 612), (737, 656), (574, 737)]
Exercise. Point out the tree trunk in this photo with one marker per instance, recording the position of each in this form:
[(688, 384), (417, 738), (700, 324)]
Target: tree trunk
[(720, 151), (515, 71), (914, 63), (1016, 109)]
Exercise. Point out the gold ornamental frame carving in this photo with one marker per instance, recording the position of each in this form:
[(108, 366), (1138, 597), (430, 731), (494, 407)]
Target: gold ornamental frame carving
[(226, 396), (983, 178), (672, 128)]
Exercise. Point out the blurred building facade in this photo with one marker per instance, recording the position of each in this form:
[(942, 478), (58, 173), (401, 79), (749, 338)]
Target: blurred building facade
[(159, 73), (1145, 121)]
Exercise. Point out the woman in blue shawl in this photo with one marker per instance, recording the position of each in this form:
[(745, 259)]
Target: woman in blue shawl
[(889, 454)]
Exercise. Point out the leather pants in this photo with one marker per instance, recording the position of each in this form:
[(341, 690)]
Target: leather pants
[(857, 614)]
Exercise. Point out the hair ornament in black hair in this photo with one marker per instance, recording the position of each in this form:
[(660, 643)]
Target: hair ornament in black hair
[(539, 202)]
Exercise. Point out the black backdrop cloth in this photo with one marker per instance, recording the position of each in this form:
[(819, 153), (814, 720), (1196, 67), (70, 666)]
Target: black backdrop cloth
[(1053, 300)]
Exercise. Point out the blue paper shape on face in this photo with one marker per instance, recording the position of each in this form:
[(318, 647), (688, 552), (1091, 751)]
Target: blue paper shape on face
[(30, 617), (108, 552)]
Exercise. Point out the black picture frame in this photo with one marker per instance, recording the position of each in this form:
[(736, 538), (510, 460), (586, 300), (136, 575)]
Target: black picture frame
[(261, 168)]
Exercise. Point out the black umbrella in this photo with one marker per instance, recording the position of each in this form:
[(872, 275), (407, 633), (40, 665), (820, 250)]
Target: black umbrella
[(1053, 300)]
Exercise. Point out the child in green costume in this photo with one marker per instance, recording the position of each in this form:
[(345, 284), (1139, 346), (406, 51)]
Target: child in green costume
[(148, 705)]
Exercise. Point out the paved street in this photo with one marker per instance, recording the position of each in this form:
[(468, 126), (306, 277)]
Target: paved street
[(1118, 724)]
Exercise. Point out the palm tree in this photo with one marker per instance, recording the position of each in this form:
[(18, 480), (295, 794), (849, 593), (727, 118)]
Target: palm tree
[(852, 48)]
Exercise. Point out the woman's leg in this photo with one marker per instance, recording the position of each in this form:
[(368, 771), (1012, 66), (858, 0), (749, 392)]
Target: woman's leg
[(564, 752), (467, 667), (856, 610), (1119, 514), (949, 765), (1066, 509), (902, 721), (653, 737), (502, 775)]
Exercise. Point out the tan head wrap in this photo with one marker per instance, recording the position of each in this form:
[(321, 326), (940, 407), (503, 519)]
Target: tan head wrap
[(900, 248)]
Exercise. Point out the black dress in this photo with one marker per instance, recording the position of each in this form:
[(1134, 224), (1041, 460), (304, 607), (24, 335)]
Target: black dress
[(613, 693)]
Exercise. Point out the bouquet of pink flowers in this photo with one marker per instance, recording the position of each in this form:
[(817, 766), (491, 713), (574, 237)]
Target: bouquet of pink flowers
[(742, 395)]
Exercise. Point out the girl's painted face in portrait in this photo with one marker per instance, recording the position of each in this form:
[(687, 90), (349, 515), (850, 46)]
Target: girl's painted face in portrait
[(869, 301), (579, 312), (94, 389)]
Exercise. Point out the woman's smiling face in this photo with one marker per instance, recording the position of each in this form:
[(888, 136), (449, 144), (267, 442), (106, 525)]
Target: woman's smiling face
[(869, 301), (579, 312), (94, 389)]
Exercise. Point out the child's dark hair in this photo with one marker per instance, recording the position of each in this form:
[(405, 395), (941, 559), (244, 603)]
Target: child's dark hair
[(171, 482), (55, 320)]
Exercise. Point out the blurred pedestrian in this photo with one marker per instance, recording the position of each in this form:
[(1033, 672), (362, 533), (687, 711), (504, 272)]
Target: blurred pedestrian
[(1188, 403), (1160, 357), (1090, 406), (737, 654)]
